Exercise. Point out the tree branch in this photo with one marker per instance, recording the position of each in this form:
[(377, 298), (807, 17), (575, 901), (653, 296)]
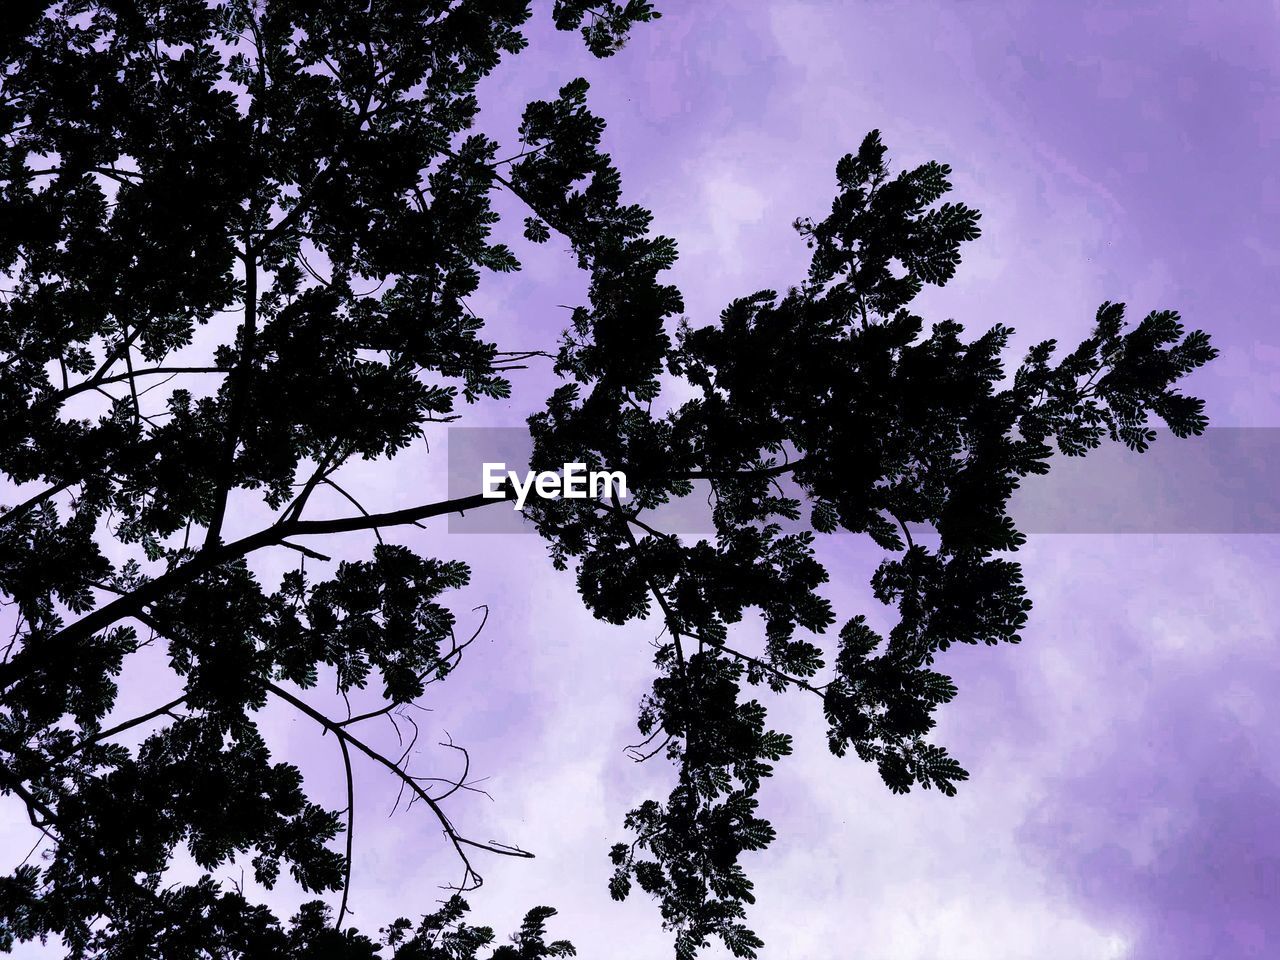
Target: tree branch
[(119, 728), (455, 654), (667, 612), (25, 662), (63, 395), (455, 839), (22, 509), (351, 825), (747, 658), (329, 481), (238, 387)]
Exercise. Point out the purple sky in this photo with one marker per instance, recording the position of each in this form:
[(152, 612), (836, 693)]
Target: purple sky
[(1126, 782), (1124, 792)]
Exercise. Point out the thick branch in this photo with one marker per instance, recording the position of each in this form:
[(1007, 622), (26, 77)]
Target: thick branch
[(26, 661)]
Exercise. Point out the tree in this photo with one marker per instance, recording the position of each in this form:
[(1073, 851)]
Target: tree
[(301, 186)]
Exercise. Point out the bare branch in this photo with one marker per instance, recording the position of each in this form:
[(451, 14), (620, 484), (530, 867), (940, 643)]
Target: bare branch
[(351, 826), (329, 481), (471, 879)]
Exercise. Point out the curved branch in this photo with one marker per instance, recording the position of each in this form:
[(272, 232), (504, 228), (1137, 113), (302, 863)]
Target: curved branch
[(329, 481), (22, 509), (351, 825)]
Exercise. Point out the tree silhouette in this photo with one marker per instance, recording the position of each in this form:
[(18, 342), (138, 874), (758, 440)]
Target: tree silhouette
[(238, 241)]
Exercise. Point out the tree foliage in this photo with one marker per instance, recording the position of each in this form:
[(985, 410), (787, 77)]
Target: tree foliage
[(239, 240)]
